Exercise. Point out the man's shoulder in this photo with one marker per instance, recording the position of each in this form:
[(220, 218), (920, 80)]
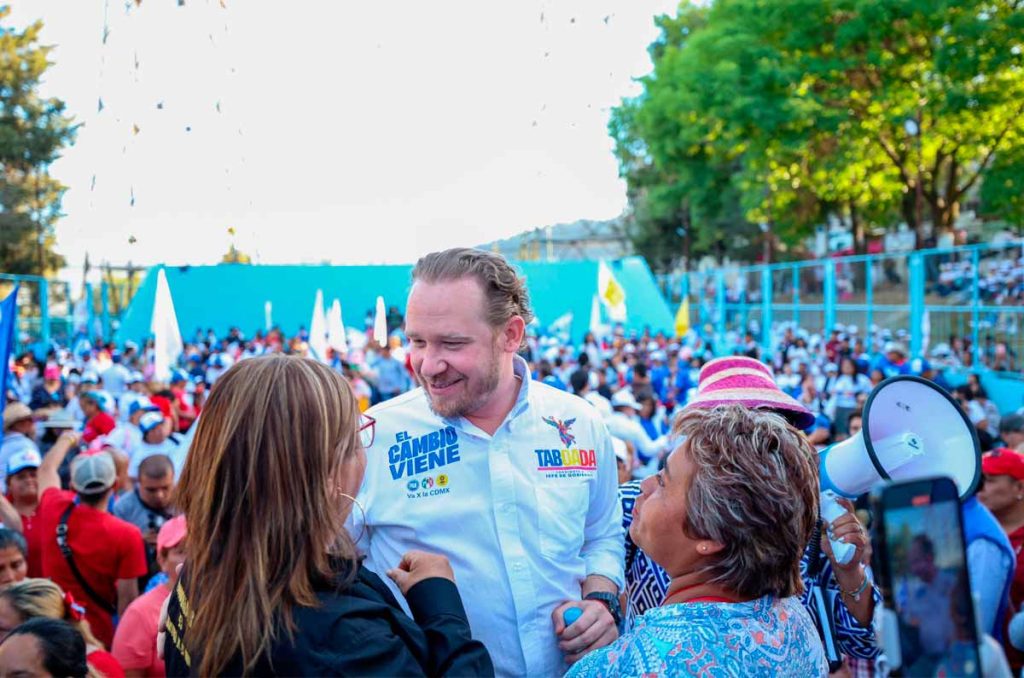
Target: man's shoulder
[(548, 397), (126, 504)]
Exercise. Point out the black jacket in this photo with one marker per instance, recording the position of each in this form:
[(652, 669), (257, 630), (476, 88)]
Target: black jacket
[(360, 631)]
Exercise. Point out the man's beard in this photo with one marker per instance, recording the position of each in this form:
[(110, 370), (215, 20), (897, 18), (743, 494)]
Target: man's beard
[(473, 396)]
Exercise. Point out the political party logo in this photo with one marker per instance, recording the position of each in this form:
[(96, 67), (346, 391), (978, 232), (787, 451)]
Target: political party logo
[(563, 427), (412, 456), (430, 486)]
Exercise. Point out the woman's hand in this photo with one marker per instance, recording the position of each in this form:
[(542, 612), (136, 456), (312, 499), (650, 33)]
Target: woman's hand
[(417, 566), (847, 528)]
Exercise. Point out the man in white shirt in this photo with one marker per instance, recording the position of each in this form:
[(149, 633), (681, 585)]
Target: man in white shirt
[(513, 480)]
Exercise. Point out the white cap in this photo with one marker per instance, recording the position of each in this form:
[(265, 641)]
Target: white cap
[(625, 398), (621, 451)]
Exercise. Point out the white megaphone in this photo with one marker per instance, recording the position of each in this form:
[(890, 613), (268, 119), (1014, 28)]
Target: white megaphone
[(911, 429)]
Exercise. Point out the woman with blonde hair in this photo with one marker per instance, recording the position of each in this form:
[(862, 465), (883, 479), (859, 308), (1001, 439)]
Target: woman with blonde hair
[(32, 598), (273, 583)]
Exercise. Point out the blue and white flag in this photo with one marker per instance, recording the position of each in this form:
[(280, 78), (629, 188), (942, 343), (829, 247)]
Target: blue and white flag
[(8, 319)]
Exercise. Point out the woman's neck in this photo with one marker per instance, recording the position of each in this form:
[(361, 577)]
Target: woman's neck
[(693, 585)]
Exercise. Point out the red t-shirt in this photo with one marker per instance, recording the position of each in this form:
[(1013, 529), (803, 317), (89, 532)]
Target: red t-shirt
[(30, 528), (1017, 587), (105, 549), (103, 663)]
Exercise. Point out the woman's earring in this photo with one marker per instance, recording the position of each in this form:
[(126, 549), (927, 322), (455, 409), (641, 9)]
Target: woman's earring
[(361, 510)]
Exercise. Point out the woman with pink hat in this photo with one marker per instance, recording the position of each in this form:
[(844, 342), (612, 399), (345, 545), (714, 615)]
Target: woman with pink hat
[(748, 383)]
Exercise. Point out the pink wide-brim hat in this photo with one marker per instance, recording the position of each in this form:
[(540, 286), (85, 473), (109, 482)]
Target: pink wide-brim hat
[(738, 380)]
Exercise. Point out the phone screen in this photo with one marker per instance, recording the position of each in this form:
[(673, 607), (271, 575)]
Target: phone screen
[(930, 588)]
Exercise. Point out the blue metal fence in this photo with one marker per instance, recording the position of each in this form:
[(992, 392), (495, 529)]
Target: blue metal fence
[(970, 296), (45, 310)]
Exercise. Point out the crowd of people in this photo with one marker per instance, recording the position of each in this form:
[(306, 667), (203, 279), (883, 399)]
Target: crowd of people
[(473, 497)]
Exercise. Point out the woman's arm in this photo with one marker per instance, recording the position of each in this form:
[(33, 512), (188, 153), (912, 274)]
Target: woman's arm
[(437, 608)]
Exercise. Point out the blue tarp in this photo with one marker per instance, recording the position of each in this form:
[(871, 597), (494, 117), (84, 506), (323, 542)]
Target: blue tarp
[(233, 295)]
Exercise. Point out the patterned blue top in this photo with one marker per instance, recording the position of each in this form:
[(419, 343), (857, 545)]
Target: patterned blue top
[(764, 637), (646, 584)]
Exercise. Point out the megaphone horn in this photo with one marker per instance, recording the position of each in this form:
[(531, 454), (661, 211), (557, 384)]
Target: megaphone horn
[(911, 429)]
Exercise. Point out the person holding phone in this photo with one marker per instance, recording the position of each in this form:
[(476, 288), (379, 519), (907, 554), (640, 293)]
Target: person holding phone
[(273, 583)]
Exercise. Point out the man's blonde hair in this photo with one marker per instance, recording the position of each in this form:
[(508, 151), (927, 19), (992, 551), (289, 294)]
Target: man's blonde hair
[(504, 289)]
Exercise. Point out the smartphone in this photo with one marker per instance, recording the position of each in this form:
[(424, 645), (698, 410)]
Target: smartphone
[(921, 562)]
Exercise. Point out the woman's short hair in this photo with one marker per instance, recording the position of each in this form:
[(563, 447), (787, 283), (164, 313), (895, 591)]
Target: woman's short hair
[(62, 647), (755, 490), (11, 539)]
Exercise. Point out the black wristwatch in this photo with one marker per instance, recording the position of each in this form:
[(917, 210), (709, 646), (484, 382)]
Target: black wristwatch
[(611, 601)]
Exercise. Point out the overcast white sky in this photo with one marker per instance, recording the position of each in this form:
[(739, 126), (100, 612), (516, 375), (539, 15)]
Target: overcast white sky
[(349, 131)]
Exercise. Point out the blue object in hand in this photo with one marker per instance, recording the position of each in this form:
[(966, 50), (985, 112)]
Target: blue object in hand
[(571, 615)]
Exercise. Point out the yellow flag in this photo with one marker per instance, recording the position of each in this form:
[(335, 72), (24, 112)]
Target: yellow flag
[(611, 293), (683, 318)]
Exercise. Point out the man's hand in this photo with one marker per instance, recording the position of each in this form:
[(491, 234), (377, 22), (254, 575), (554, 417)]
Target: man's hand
[(417, 566), (593, 630)]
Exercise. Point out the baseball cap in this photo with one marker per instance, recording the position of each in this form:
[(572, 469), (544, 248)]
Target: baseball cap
[(135, 378), (150, 421), (172, 533), (103, 400), (93, 473), (23, 459), (52, 372), (142, 403), (1003, 461), (625, 398)]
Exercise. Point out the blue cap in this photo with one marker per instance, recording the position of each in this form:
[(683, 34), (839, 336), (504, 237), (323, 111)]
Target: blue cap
[(150, 421), (144, 404), (103, 399), (178, 376), (90, 378)]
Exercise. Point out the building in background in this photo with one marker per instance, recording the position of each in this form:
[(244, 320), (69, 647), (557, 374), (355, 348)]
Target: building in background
[(581, 240)]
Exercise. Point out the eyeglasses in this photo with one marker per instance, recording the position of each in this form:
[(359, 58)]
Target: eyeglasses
[(367, 427)]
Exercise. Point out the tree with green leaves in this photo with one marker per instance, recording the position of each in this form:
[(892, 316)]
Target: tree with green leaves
[(33, 132), (867, 109)]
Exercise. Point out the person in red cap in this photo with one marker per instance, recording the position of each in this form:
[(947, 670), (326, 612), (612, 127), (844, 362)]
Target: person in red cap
[(1002, 492)]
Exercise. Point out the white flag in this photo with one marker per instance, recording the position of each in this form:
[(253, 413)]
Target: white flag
[(380, 323), (611, 293), (563, 323), (318, 330), (595, 319), (336, 329), (167, 344)]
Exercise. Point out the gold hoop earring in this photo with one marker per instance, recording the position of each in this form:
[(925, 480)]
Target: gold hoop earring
[(365, 530)]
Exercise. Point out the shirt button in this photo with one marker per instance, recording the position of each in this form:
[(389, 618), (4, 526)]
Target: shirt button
[(518, 567), (508, 508)]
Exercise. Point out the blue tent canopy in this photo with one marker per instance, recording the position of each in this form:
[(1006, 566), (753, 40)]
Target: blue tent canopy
[(233, 295)]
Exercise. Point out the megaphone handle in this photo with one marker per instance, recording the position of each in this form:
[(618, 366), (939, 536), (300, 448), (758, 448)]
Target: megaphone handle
[(832, 510)]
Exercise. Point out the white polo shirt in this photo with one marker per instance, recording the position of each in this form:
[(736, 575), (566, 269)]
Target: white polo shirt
[(524, 515)]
